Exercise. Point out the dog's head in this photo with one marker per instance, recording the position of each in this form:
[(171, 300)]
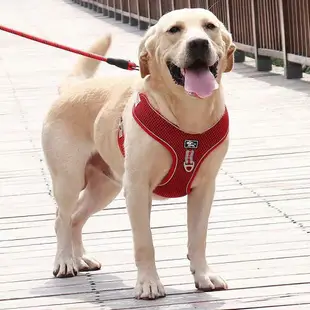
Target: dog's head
[(187, 49)]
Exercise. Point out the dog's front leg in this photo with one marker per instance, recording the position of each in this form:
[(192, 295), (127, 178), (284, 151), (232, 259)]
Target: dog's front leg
[(198, 210), (139, 202)]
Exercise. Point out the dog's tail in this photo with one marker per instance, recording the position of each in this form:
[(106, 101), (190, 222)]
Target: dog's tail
[(86, 67)]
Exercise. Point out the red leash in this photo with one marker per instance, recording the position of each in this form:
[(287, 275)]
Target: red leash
[(121, 63)]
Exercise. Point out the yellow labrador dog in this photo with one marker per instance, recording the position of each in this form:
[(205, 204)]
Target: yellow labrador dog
[(161, 135)]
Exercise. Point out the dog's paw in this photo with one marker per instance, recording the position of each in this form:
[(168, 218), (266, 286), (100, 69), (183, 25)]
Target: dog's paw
[(149, 287), (209, 282), (86, 263), (64, 268)]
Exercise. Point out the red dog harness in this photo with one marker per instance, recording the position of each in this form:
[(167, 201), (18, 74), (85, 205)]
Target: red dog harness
[(187, 150)]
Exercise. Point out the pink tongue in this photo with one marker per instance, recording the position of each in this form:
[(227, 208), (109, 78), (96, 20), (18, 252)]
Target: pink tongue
[(200, 83)]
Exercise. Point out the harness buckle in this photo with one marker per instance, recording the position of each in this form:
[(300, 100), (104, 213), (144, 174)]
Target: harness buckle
[(189, 162), (189, 167)]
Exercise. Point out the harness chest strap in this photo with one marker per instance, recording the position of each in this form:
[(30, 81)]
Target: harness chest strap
[(187, 150)]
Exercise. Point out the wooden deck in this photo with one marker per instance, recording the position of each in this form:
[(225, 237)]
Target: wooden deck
[(259, 234)]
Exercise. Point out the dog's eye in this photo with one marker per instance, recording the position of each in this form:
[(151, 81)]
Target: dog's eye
[(209, 26), (174, 29)]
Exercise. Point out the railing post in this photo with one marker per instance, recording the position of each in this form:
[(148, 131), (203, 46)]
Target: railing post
[(149, 12), (138, 12), (160, 8), (105, 10), (263, 63), (95, 6), (172, 5), (291, 70), (132, 21), (118, 16), (125, 19), (239, 56), (111, 8), (228, 15), (142, 25), (99, 8)]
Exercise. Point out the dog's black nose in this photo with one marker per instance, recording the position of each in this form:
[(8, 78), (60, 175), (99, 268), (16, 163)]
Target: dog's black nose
[(198, 48), (198, 45)]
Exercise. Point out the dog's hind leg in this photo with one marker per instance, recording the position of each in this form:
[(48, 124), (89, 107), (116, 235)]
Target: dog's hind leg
[(66, 156), (99, 192)]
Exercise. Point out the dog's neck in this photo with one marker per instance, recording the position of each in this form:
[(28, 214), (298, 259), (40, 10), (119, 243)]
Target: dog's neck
[(191, 115)]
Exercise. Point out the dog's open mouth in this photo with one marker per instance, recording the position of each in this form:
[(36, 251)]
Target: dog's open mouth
[(198, 79)]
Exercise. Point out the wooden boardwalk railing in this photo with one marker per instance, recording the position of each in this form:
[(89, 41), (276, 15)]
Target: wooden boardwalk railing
[(265, 28)]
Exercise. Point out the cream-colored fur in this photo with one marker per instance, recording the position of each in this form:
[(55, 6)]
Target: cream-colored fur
[(79, 140)]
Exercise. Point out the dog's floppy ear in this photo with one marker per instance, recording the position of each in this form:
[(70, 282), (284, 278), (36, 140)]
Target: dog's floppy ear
[(230, 57), (230, 48), (144, 50)]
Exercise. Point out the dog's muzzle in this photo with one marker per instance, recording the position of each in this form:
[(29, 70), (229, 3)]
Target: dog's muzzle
[(197, 49), (198, 75)]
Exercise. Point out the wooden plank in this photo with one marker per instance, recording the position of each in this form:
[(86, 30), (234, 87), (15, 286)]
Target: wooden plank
[(177, 295), (217, 222), (235, 279), (175, 266), (286, 228), (165, 256), (254, 236), (114, 283), (178, 246)]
